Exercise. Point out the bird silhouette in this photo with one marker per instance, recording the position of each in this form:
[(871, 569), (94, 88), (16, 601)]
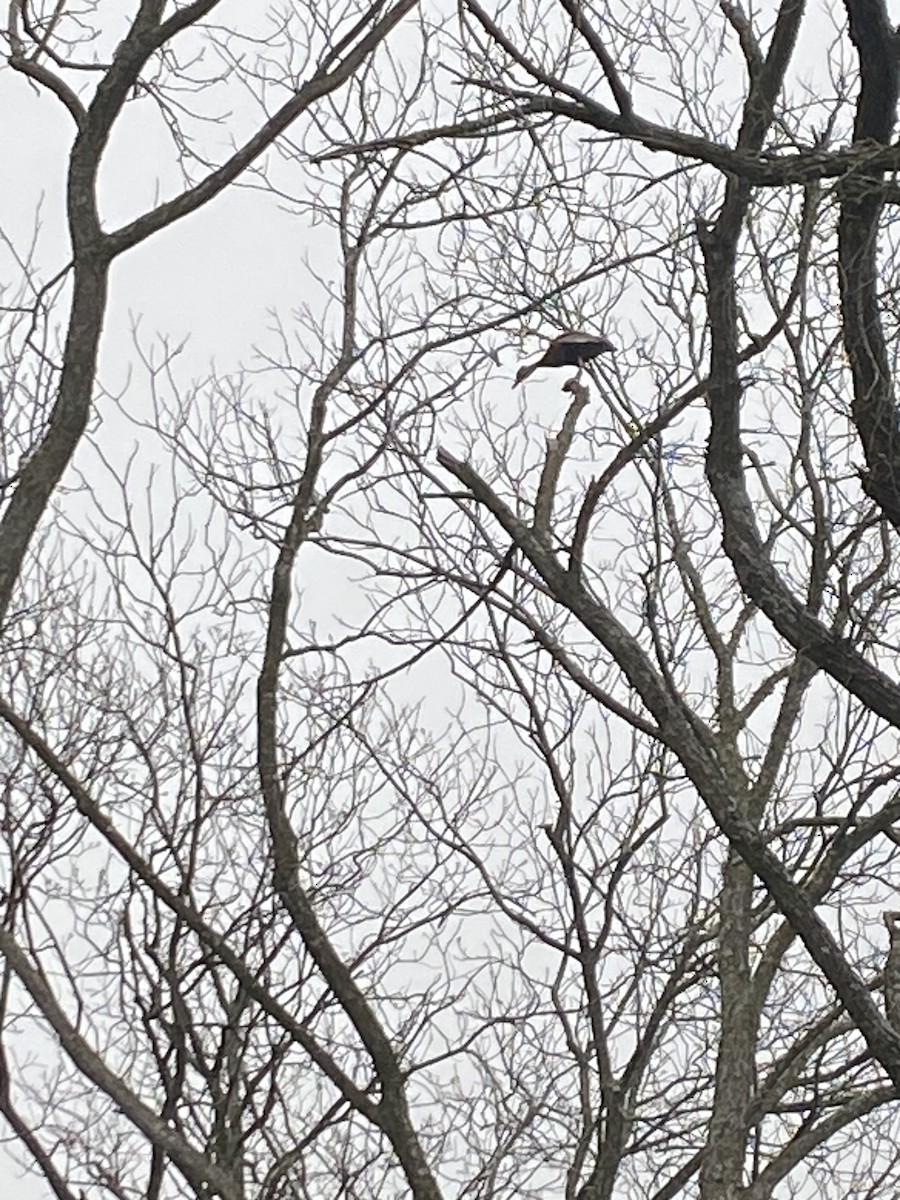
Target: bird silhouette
[(570, 349)]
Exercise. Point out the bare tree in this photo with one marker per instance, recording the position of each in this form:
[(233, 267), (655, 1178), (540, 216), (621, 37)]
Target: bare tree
[(416, 786)]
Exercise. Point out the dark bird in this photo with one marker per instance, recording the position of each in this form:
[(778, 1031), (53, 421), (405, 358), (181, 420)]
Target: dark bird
[(570, 349), (892, 971)]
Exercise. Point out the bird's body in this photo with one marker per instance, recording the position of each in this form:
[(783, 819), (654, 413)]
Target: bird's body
[(892, 971), (570, 349)]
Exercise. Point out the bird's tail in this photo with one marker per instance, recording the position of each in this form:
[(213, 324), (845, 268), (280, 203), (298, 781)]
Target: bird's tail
[(525, 371)]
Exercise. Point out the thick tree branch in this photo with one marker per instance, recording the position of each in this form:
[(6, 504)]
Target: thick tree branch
[(813, 1134), (862, 199), (186, 912), (202, 1174), (52, 82), (43, 470), (697, 753), (321, 84), (93, 250), (558, 447), (393, 1110)]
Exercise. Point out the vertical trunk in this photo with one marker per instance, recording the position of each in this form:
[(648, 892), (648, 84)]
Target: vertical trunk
[(723, 1162)]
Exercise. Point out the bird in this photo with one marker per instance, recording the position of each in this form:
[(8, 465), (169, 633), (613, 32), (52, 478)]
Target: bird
[(892, 971), (570, 349)]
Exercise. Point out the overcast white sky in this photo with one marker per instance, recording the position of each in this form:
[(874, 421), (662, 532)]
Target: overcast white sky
[(211, 280)]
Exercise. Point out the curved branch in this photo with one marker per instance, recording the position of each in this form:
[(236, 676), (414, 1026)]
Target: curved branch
[(862, 200), (321, 84), (202, 1175), (19, 61), (177, 904), (93, 251), (394, 1117), (684, 733)]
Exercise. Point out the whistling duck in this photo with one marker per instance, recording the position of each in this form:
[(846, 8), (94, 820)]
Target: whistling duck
[(570, 349)]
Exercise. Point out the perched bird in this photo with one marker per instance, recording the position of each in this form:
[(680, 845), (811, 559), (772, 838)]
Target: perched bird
[(570, 349), (892, 971)]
